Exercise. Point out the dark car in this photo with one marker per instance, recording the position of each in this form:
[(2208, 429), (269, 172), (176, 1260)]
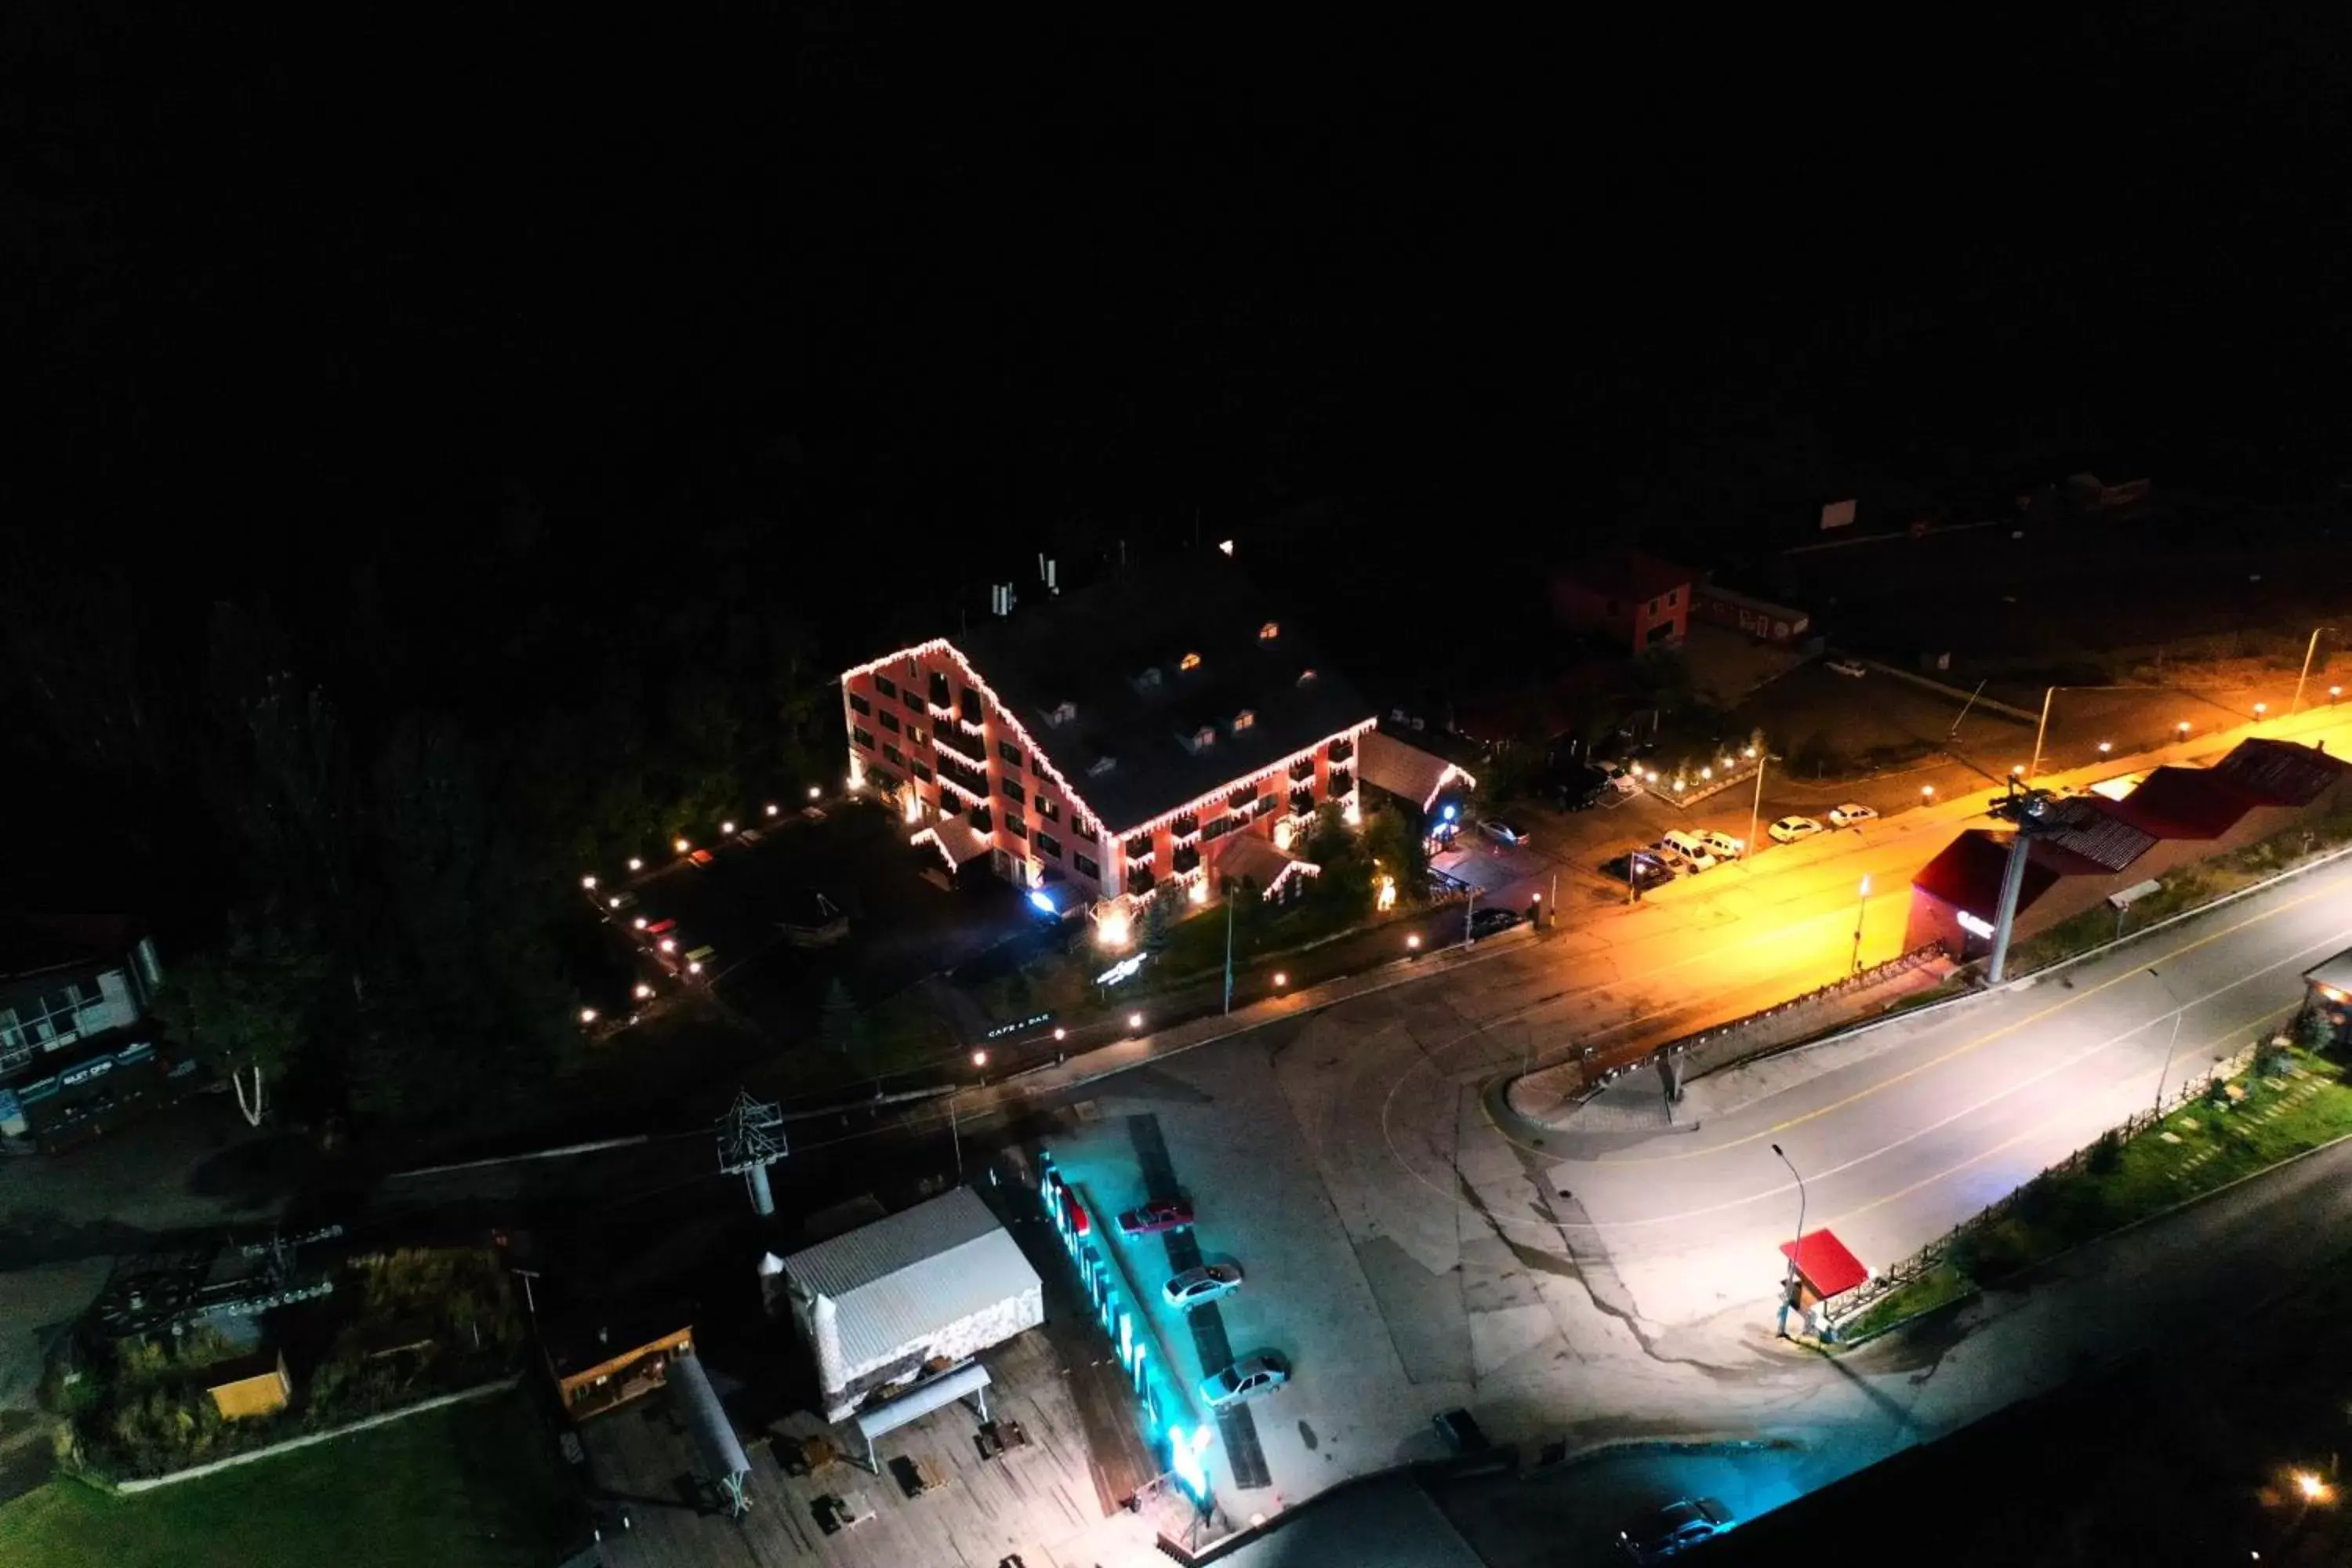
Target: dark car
[(1646, 870), (1488, 922), (1503, 832), (1662, 1533), (1152, 1219)]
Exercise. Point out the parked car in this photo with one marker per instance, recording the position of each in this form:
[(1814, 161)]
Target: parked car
[(1643, 867), (1849, 814), (1688, 846), (1849, 666), (1491, 922), (1246, 1379), (1206, 1283), (1722, 846), (1621, 778), (1664, 1532), (1788, 829), (1155, 1218), (1501, 832)]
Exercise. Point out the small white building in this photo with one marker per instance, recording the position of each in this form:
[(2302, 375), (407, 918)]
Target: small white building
[(939, 1283)]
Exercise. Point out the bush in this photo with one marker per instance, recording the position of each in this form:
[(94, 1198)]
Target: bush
[(2105, 1155)]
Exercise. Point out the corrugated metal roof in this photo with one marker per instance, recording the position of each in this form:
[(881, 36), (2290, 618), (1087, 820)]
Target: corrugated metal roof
[(896, 1280), (1402, 770)]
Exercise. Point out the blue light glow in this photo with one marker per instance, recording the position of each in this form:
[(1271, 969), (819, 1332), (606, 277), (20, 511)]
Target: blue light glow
[(1449, 814), (1185, 1447), (1042, 901)]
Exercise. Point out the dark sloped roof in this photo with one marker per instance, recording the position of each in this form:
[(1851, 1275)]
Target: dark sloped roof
[(2280, 772), (2185, 802), (2087, 825), (1629, 575), (1090, 648), (1967, 874)]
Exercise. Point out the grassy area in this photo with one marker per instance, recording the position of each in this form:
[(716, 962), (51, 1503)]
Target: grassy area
[(1940, 1284), (2303, 1103), (468, 1486)]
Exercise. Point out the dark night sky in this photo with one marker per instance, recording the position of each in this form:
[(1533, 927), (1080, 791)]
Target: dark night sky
[(286, 285)]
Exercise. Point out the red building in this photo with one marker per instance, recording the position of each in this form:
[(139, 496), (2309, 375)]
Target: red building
[(1107, 742), (2098, 849), (1630, 595)]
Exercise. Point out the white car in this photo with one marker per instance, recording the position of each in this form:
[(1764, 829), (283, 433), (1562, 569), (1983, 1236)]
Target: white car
[(1205, 1283), (1788, 829), (1848, 666), (1621, 778), (1722, 846), (1689, 851), (1849, 814), (1246, 1379)]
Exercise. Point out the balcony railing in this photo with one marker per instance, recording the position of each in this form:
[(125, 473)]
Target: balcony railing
[(1303, 768), (1342, 750), (1185, 858)]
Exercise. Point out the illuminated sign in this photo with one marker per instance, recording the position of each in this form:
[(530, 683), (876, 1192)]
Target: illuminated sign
[(1124, 969), (1185, 1447), (1969, 923)]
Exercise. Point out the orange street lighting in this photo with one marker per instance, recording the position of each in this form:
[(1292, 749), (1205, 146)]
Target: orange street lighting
[(814, 793), (2017, 770), (980, 1059), (589, 883), (2334, 693), (773, 808), (2181, 728), (1135, 1020), (613, 902), (2106, 746), (2260, 709), (2313, 1488), (644, 991), (639, 922), (1412, 941), (680, 845), (693, 966), (669, 944), (1927, 792), (636, 864), (1061, 1034), (1280, 979), (726, 827), (587, 1014)]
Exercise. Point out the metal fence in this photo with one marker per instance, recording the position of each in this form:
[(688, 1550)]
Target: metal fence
[(1711, 1050), (2192, 1086)]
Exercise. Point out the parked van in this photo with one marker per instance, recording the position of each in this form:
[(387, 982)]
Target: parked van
[(1690, 847)]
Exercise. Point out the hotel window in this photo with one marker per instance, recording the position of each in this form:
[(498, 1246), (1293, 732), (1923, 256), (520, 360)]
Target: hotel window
[(916, 733), (1268, 632), (1048, 846), (898, 757), (921, 769), (886, 686), (1009, 752), (1082, 829), (912, 698), (1087, 867), (1048, 808), (862, 737), (890, 721), (859, 705), (1010, 789), (1015, 826)]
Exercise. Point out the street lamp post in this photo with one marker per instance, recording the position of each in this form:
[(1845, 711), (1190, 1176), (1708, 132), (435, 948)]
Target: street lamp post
[(1755, 807), (1789, 1282), (1468, 909), (2179, 1013), (2308, 649), (1861, 908), (1229, 947), (2036, 766)]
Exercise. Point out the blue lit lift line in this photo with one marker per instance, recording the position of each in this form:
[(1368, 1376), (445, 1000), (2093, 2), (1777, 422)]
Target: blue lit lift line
[(1187, 1446)]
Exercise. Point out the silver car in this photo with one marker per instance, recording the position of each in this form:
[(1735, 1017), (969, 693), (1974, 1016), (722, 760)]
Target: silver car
[(1246, 1379), (1205, 1283)]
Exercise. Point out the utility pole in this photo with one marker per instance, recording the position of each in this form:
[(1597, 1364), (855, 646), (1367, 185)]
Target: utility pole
[(1467, 910), (2034, 766), (2179, 1013), (1755, 807), (1229, 946), (2024, 807), (751, 1140), (1861, 908), (2308, 649)]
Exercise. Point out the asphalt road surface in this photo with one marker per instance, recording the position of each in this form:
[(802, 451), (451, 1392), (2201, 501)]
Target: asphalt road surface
[(1910, 1131)]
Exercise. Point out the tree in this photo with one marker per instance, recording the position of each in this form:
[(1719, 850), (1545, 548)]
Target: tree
[(1158, 919), (1401, 851), (250, 1005), (840, 1026)]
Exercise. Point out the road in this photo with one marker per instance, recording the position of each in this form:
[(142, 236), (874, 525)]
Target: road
[(1919, 1125)]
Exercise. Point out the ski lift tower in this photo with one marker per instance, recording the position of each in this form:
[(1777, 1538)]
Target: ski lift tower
[(2030, 810), (751, 1139)]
